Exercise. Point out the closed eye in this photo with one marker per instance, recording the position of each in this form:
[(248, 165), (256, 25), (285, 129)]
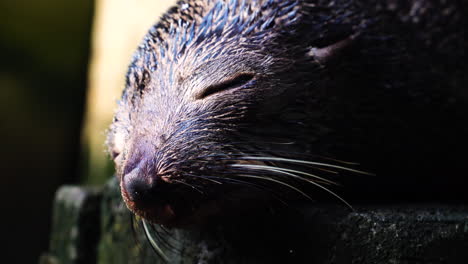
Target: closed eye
[(237, 80)]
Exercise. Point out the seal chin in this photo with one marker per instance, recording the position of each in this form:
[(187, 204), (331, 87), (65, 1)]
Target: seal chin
[(175, 201), (195, 209), (178, 216), (155, 210), (164, 215)]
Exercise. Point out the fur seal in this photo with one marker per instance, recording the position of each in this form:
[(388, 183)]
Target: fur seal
[(229, 102)]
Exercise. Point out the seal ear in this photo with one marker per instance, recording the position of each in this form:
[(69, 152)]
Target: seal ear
[(328, 53)]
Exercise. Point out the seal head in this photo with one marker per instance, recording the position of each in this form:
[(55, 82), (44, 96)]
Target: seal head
[(226, 101)]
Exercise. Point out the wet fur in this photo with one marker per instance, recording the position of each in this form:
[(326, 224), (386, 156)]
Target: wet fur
[(390, 99)]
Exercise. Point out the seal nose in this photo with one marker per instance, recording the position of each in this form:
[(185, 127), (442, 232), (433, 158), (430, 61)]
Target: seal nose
[(136, 186), (141, 189)]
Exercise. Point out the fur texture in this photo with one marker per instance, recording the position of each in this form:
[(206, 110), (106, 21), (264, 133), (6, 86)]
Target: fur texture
[(228, 100)]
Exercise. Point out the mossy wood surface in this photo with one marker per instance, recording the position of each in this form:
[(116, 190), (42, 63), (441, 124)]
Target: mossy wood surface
[(325, 234)]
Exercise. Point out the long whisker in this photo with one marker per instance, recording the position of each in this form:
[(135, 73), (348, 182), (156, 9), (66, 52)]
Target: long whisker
[(307, 162), (164, 238), (153, 243), (314, 165), (189, 185), (288, 153), (246, 183), (276, 181), (340, 161), (205, 178), (325, 170), (253, 166), (296, 176)]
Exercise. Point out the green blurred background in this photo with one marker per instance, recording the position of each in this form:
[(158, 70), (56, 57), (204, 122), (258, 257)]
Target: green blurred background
[(44, 49), (62, 69)]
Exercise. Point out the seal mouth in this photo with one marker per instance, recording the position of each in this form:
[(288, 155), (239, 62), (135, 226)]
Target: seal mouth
[(196, 210), (161, 205), (159, 214), (176, 202)]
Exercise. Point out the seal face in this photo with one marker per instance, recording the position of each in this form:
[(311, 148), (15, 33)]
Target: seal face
[(226, 101), (197, 80)]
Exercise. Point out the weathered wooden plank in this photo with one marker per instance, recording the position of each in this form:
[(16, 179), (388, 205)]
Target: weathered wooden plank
[(75, 226), (313, 234)]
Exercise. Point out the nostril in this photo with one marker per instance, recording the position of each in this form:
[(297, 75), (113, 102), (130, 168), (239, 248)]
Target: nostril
[(137, 187), (143, 190)]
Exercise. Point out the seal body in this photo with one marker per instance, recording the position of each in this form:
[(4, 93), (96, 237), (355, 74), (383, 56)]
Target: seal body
[(229, 103)]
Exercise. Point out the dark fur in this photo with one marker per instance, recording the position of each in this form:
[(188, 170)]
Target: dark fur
[(390, 98)]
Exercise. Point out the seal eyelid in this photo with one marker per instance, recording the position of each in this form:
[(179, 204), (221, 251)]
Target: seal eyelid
[(235, 81), (114, 154)]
